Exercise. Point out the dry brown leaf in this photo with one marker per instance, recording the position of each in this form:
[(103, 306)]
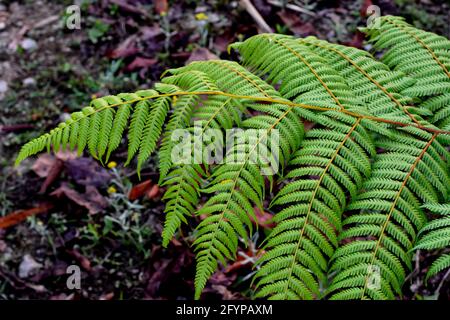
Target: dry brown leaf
[(91, 199), (201, 54), (140, 190), (153, 192), (140, 63), (264, 219), (18, 216), (125, 49), (82, 260)]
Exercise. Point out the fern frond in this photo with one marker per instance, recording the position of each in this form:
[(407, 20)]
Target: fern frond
[(302, 75), (436, 236), (98, 126), (186, 180), (305, 238), (372, 81), (236, 186), (422, 55), (350, 204), (182, 196), (388, 215)]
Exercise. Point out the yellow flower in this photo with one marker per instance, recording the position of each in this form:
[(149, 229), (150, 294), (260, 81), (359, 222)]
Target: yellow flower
[(112, 164), (135, 217), (112, 190), (201, 16)]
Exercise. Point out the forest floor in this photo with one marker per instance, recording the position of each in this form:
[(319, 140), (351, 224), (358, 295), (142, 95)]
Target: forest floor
[(104, 219)]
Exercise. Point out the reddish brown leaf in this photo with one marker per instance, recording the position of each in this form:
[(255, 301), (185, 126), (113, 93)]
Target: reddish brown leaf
[(149, 33), (220, 283), (365, 4), (91, 199), (125, 6), (264, 219), (201, 54), (153, 192), (125, 49), (63, 296), (243, 259), (295, 24), (43, 165), (82, 260), (176, 243), (140, 63), (357, 40), (87, 171), (161, 6), (16, 127), (107, 296), (53, 174), (18, 216), (140, 190)]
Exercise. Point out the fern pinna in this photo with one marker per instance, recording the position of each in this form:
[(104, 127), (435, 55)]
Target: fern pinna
[(353, 196)]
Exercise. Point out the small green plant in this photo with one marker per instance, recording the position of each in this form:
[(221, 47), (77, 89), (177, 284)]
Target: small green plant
[(348, 200), (98, 30)]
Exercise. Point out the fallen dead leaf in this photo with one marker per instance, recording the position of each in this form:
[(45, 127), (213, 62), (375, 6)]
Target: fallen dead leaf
[(63, 296), (107, 296), (84, 262), (53, 174), (219, 284), (295, 24), (91, 199), (140, 63), (86, 171), (128, 7), (125, 49), (201, 54), (264, 219), (18, 216), (149, 33), (43, 165), (50, 167), (153, 192), (164, 266), (140, 190)]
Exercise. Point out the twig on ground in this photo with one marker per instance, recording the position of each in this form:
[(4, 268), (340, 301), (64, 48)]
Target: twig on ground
[(444, 278), (262, 24)]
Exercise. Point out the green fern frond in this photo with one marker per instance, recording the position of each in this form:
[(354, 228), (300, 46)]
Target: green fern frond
[(181, 197), (186, 180), (422, 55), (305, 238), (377, 86), (436, 236), (236, 186), (98, 126), (388, 215), (302, 75), (350, 196)]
